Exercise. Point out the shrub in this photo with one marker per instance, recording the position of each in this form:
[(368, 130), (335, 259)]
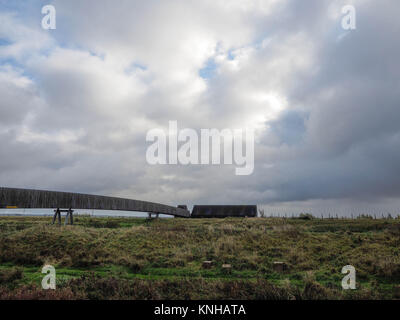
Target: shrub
[(306, 216)]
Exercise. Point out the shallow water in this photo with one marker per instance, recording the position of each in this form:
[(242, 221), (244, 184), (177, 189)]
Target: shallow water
[(95, 213)]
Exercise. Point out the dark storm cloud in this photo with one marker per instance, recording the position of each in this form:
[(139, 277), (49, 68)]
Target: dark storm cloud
[(352, 135)]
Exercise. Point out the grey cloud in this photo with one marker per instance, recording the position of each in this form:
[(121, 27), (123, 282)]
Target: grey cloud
[(80, 121)]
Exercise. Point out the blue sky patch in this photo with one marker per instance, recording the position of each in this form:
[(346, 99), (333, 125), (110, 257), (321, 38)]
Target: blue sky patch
[(5, 42), (290, 127), (135, 67), (208, 71)]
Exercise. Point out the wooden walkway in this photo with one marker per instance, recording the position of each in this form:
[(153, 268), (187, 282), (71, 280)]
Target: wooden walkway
[(27, 198)]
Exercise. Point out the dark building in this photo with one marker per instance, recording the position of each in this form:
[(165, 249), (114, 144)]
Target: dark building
[(222, 211)]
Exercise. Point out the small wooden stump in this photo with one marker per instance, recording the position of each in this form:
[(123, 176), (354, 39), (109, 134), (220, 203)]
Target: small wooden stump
[(226, 268), (279, 266), (207, 264)]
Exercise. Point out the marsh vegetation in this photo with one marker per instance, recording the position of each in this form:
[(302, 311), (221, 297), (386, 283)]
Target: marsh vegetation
[(136, 258)]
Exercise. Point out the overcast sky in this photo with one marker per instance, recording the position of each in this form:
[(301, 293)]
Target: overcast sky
[(76, 102)]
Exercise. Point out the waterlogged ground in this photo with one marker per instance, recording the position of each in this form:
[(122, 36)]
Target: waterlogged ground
[(135, 258)]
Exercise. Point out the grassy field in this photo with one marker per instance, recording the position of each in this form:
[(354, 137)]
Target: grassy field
[(135, 258)]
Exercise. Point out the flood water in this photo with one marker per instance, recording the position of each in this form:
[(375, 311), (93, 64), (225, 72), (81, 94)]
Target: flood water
[(95, 213)]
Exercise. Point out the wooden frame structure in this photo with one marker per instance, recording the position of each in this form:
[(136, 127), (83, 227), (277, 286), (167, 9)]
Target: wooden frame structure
[(69, 218)]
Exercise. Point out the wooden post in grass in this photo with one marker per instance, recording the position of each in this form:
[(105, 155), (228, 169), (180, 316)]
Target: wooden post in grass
[(57, 214), (71, 216), (54, 216), (66, 218)]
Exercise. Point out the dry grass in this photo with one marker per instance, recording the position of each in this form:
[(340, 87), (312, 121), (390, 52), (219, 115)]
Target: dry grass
[(173, 250)]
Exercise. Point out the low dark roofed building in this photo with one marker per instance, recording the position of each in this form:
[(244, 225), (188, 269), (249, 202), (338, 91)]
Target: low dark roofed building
[(222, 211)]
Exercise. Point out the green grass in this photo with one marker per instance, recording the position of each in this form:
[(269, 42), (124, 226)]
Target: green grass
[(127, 257)]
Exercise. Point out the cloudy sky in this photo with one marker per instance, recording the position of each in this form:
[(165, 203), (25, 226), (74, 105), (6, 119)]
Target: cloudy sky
[(76, 102)]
